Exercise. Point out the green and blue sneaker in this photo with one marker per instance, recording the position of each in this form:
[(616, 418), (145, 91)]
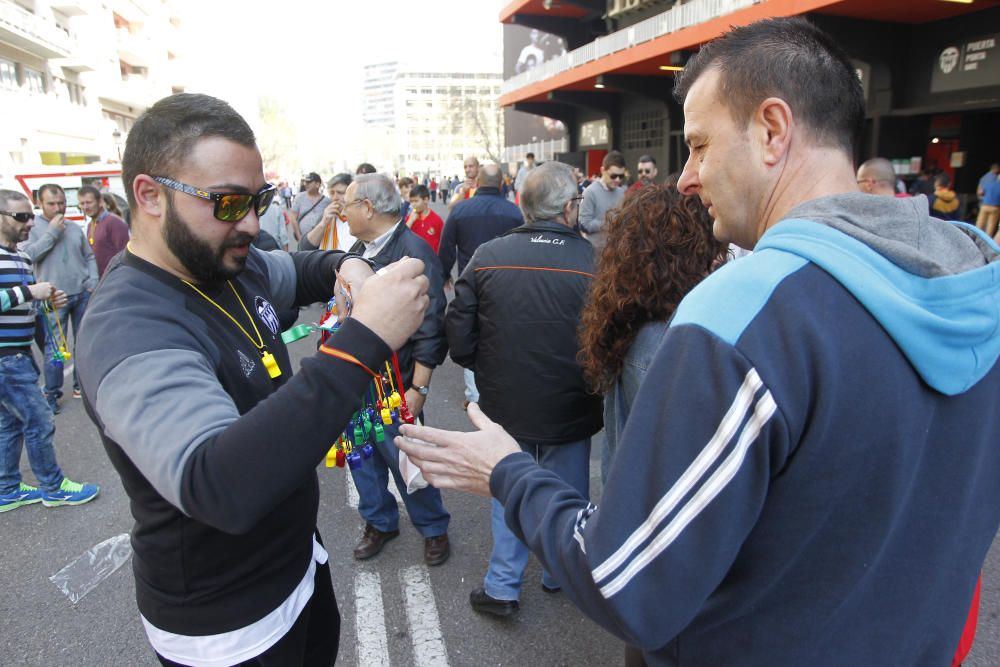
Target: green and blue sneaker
[(70, 493), (25, 495)]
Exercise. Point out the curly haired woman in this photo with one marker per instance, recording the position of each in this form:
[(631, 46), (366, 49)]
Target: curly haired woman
[(659, 246)]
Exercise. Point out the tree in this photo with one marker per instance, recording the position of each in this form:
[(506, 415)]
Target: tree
[(489, 131), (277, 137)]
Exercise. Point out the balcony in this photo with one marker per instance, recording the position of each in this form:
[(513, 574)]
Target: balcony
[(31, 33), (135, 91), (136, 49), (75, 7), (675, 19)]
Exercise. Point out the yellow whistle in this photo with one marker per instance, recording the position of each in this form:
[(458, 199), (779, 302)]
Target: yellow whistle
[(271, 364), (395, 400), (386, 416), (64, 352), (331, 457)]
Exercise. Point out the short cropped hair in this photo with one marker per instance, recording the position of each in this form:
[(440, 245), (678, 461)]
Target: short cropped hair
[(164, 135), (791, 59), (54, 188), (420, 191), (613, 159), (365, 168), (344, 179), (7, 197), (404, 181), (89, 190), (648, 158), (546, 190), (380, 190)]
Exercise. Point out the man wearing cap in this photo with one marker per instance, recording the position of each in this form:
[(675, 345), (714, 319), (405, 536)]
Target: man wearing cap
[(307, 208)]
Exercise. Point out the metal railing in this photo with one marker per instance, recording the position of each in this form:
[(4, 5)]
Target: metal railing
[(680, 16), (544, 150)]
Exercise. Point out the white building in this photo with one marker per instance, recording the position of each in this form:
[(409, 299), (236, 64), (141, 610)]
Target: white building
[(74, 76), (425, 122)]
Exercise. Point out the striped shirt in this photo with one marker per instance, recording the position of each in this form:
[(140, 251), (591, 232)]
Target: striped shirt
[(17, 313)]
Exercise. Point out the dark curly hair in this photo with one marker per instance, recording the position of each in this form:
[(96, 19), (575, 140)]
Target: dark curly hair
[(659, 246)]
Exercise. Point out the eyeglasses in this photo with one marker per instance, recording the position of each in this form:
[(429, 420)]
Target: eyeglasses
[(617, 177), (20, 217), (229, 206), (353, 202)]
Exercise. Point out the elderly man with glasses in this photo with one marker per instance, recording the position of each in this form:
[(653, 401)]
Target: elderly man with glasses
[(601, 196), (514, 320)]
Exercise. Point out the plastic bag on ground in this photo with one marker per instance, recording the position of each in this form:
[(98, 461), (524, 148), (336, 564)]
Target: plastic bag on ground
[(92, 567)]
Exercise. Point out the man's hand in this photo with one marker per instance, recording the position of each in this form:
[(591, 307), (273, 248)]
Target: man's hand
[(415, 402), (462, 461), (58, 223), (392, 303), (42, 291), (59, 299)]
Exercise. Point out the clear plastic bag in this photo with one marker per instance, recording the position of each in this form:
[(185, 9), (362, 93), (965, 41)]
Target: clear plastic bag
[(92, 567)]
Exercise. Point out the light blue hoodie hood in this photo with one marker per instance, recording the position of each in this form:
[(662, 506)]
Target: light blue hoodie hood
[(934, 286)]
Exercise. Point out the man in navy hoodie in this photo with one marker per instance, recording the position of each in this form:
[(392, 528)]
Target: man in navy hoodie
[(808, 475)]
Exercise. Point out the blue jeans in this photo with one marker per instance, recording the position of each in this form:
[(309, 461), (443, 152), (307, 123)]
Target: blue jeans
[(71, 312), (377, 505), (25, 420), (509, 558)]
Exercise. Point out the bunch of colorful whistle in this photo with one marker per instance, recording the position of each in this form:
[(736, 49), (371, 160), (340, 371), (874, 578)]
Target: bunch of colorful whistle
[(60, 351), (383, 404)]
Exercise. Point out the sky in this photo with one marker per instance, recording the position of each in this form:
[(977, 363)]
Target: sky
[(309, 54)]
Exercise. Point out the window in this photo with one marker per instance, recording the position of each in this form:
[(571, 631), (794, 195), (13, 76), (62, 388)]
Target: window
[(8, 74), (34, 81)]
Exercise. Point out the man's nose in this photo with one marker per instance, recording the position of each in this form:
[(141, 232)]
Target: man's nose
[(688, 183)]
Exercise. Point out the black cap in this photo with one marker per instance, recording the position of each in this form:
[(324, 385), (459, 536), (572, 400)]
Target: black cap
[(313, 177)]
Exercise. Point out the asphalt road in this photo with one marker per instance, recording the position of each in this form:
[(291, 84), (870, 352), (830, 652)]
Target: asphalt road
[(395, 611)]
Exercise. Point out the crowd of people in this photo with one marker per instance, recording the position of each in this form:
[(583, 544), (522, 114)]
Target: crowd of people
[(799, 462)]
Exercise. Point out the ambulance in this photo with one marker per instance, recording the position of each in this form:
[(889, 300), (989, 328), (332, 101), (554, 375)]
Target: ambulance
[(72, 177)]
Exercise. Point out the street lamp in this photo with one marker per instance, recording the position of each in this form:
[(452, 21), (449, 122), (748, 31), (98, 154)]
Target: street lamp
[(117, 136)]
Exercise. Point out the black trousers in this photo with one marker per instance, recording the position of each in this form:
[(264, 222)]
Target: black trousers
[(314, 639)]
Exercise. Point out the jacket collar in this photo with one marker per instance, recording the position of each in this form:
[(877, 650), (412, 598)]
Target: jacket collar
[(545, 226), (487, 191)]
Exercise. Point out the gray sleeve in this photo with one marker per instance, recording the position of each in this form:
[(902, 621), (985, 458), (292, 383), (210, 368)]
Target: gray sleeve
[(159, 406), (39, 244), (281, 275), (90, 261), (588, 213)]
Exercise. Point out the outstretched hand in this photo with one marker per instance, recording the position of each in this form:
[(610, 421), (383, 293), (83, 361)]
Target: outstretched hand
[(392, 303), (456, 460)]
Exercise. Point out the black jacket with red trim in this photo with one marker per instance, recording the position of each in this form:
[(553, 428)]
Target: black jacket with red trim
[(514, 321)]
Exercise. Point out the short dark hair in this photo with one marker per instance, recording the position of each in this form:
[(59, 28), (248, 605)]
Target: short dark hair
[(648, 158), (405, 181), (342, 178), (420, 191), (942, 180), (365, 168), (54, 188), (613, 159), (791, 59), (89, 190), (163, 136), (529, 155)]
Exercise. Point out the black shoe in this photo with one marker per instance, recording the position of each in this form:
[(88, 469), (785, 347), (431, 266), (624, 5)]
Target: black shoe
[(436, 549), (551, 589), (372, 542), (485, 604)]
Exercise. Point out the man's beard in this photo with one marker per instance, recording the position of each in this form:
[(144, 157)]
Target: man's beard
[(203, 263)]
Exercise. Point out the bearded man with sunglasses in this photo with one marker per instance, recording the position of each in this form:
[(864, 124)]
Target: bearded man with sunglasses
[(181, 347), (601, 196)]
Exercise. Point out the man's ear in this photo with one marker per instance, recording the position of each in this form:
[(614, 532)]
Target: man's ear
[(148, 196), (775, 122)]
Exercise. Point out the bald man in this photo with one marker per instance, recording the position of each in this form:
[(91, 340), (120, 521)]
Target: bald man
[(468, 186), (877, 177)]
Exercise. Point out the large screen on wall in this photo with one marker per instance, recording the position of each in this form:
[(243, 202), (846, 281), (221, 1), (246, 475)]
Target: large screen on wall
[(523, 50)]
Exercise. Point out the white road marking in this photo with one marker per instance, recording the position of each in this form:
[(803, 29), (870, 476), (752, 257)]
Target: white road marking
[(421, 613), (373, 645)]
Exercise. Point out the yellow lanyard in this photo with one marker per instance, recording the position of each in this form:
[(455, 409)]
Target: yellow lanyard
[(270, 363)]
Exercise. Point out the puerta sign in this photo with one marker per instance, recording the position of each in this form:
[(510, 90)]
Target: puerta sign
[(968, 64)]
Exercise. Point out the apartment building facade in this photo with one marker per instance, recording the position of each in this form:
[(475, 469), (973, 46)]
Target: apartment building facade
[(75, 75)]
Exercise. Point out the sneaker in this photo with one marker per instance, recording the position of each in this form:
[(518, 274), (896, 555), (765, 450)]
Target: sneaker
[(25, 495), (70, 493), (77, 394), (54, 405)]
